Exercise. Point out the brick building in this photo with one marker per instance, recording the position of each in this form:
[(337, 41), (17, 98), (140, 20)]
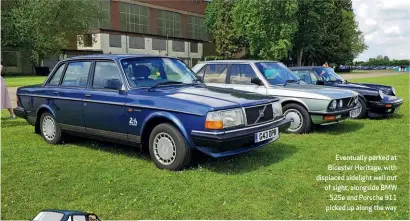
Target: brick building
[(160, 27)]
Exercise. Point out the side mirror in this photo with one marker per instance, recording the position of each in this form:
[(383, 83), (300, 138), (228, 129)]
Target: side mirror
[(256, 81), (114, 84), (200, 79), (320, 82)]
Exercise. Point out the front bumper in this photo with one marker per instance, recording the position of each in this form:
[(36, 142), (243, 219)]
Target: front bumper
[(231, 142), (383, 108), (327, 118)]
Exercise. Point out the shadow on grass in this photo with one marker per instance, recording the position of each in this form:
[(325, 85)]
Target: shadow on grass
[(389, 117), (246, 162), (114, 148), (337, 129)]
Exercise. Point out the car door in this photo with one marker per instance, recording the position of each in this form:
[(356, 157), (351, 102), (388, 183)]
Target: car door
[(67, 100), (214, 74), (239, 77), (104, 108)]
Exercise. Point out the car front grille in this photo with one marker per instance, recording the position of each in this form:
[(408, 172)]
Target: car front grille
[(259, 114)]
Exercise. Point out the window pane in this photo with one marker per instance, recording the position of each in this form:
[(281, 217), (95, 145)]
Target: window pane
[(313, 78), (45, 216), (137, 42), (79, 218), (158, 44), (241, 74), (105, 71), (178, 46), (194, 47), (55, 80), (115, 41), (76, 74), (215, 73)]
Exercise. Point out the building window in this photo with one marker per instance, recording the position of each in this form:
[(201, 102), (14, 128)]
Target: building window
[(134, 18), (137, 42), (115, 41), (169, 23), (88, 40), (10, 58), (194, 47), (178, 46), (159, 44), (197, 28), (105, 21)]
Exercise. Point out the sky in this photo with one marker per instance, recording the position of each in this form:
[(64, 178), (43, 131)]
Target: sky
[(386, 27)]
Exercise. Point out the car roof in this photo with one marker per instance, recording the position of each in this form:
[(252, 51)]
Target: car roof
[(305, 67), (114, 56), (66, 212), (235, 61)]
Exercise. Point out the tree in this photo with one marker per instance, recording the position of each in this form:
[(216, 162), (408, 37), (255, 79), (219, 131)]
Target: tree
[(43, 27), (268, 26), (219, 22)]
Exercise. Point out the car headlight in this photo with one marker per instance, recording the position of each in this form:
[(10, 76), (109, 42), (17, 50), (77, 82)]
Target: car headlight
[(381, 94), (340, 103), (217, 120), (393, 91), (333, 104), (277, 109)]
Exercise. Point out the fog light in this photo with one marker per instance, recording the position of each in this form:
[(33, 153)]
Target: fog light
[(329, 118)]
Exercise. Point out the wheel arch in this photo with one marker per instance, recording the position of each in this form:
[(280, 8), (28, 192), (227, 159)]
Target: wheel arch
[(158, 118), (294, 101), (43, 108)]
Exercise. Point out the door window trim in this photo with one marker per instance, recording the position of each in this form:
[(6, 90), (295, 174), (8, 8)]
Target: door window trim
[(226, 76), (91, 80), (228, 80), (65, 71), (54, 73)]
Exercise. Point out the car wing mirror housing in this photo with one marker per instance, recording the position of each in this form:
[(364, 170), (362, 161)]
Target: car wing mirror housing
[(200, 79), (114, 84), (256, 81), (320, 82)]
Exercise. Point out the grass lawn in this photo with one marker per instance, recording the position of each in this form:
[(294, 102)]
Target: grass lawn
[(18, 81), (275, 182)]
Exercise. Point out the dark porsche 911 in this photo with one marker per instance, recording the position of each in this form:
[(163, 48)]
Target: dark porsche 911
[(375, 99)]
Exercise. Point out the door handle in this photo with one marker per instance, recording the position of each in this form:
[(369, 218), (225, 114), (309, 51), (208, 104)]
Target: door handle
[(87, 95), (55, 92)]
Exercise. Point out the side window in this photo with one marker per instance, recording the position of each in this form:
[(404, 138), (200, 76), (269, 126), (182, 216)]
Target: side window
[(79, 218), (76, 74), (55, 79), (215, 73), (313, 77), (241, 74), (201, 72), (103, 72), (304, 75)]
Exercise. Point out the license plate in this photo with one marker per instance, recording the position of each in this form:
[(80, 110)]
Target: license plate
[(354, 112), (266, 135)]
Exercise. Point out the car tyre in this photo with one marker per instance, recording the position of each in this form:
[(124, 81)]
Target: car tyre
[(49, 129), (300, 119), (168, 148), (363, 112)]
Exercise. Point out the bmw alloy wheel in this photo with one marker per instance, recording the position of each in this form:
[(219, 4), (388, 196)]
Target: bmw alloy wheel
[(356, 112), (296, 119), (49, 128), (164, 148)]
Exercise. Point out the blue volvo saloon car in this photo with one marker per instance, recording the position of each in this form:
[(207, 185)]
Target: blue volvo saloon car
[(150, 101)]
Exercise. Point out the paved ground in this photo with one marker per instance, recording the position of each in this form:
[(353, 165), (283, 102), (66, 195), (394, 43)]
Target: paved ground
[(12, 90)]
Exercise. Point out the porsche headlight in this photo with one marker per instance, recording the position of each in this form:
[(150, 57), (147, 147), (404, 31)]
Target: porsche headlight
[(333, 105), (381, 94), (217, 120), (340, 103), (277, 109), (393, 91)]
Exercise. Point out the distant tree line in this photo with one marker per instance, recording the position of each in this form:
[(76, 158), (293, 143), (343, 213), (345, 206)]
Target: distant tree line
[(382, 61), (299, 31)]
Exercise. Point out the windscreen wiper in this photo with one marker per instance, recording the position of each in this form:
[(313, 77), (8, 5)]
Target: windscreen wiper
[(164, 83), (291, 81)]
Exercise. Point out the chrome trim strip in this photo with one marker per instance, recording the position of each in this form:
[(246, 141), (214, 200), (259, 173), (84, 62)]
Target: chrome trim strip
[(134, 138), (334, 122), (333, 113), (108, 102), (233, 131), (104, 133)]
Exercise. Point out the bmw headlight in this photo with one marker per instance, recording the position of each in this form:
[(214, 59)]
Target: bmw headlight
[(393, 91), (277, 109), (217, 120), (340, 103), (381, 94), (333, 104)]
